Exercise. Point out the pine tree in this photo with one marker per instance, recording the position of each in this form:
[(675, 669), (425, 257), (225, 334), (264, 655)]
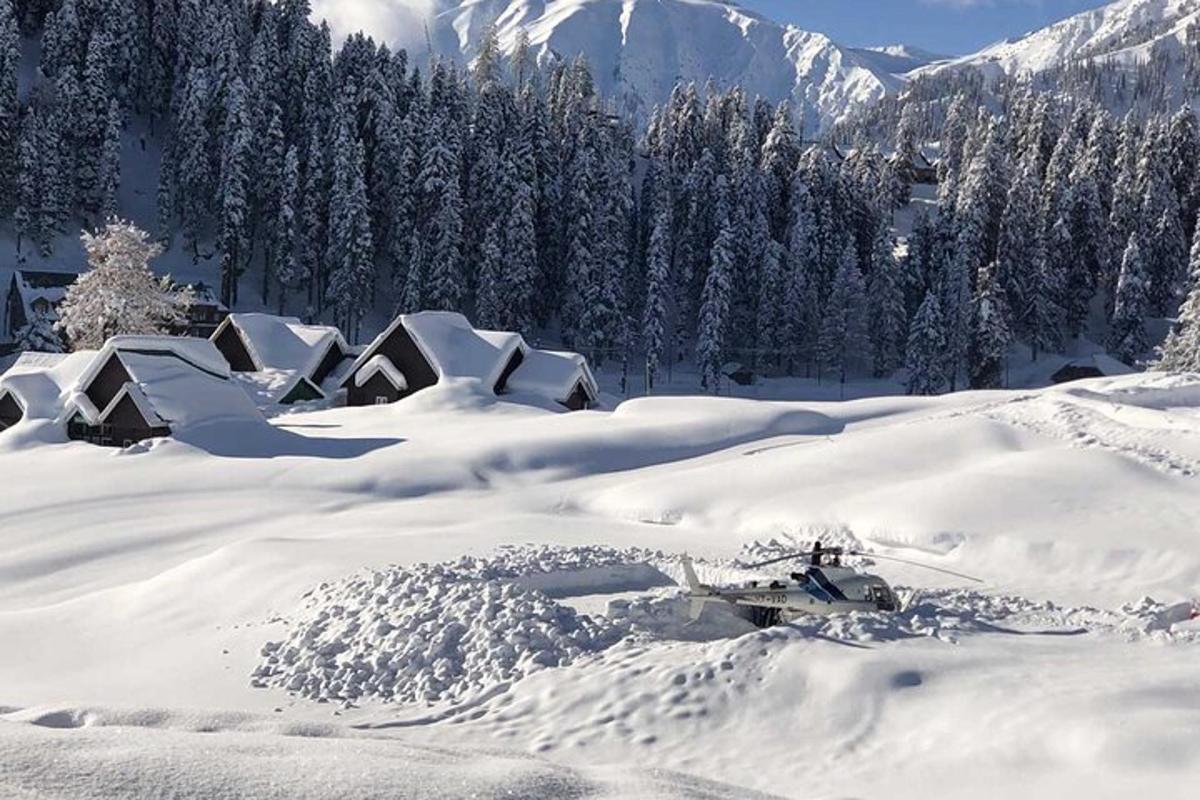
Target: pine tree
[(234, 216), (1018, 252), (288, 269), (110, 162), (658, 288), (1181, 352), (353, 253), (844, 338), (801, 313), (10, 111), (28, 213), (885, 303), (489, 303), (715, 301), (925, 357), (119, 295), (1127, 337), (39, 336), (441, 200), (990, 333), (771, 328)]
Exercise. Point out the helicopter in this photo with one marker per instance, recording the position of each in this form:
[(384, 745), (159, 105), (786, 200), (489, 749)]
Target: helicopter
[(823, 587)]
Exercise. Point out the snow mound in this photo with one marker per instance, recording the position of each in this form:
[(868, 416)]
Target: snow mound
[(438, 632)]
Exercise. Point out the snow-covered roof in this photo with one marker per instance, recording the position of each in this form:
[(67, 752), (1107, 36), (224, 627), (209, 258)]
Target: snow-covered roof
[(38, 381), (174, 381), (181, 395), (34, 285), (377, 364), (553, 374), (271, 387), (457, 350), (284, 343), (453, 348)]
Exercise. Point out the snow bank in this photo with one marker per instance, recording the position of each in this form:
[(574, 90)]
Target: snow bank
[(436, 632)]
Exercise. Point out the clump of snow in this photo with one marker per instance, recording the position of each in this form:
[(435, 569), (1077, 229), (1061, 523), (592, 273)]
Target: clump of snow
[(437, 632)]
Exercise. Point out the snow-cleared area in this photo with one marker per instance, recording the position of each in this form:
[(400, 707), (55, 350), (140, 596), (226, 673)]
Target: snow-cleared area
[(482, 594)]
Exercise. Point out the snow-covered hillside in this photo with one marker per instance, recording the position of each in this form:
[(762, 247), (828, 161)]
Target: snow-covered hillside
[(156, 606), (1126, 31), (641, 48)]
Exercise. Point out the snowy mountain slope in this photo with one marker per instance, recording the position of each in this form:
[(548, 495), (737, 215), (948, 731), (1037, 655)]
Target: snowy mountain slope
[(1123, 30), (640, 48), (141, 600)]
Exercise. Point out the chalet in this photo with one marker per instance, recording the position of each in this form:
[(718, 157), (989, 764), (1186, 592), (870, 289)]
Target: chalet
[(143, 387), (32, 294), (280, 360), (206, 313), (134, 388), (564, 378), (420, 350), (1097, 365), (34, 388)]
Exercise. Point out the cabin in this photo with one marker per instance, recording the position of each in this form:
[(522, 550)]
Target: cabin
[(280, 360), (418, 351), (32, 294), (561, 377), (135, 388), (145, 387), (1093, 366), (33, 387), (206, 312)]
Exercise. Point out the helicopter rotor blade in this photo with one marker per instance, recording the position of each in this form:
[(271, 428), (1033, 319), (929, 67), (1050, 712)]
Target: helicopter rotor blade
[(833, 551), (915, 564)]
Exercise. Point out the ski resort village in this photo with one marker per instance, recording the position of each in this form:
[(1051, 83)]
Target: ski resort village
[(616, 399)]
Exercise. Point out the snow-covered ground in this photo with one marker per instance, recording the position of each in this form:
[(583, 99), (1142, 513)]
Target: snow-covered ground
[(472, 598)]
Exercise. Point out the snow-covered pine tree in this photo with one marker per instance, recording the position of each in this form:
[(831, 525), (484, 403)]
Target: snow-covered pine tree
[(10, 109), (1127, 336), (519, 246), (1183, 156), (1162, 247), (1018, 252), (715, 300), (888, 323), (119, 295), (353, 275), (442, 204), (771, 330), (844, 341), (110, 162), (91, 123), (990, 332), (801, 313), (658, 287), (925, 357), (39, 336), (1089, 237), (27, 215), (288, 269), (780, 154), (233, 222), (1181, 352), (489, 302)]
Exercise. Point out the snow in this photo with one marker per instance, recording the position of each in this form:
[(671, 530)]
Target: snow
[(285, 343), (1125, 31), (380, 363), (141, 590), (456, 350), (179, 382), (639, 49), (266, 388), (552, 375)]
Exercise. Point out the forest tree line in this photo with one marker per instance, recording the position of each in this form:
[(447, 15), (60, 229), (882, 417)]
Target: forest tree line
[(353, 182)]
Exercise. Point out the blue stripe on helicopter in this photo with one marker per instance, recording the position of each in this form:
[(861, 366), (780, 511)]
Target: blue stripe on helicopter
[(818, 578)]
